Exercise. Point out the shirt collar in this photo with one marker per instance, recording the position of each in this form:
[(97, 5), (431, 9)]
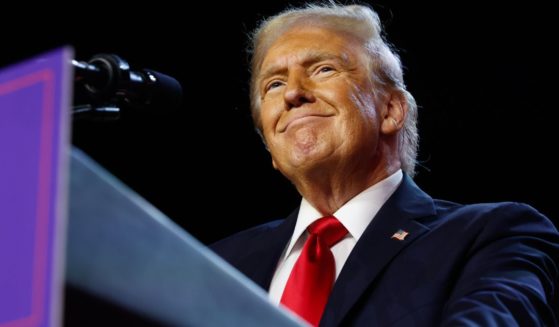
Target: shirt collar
[(355, 215)]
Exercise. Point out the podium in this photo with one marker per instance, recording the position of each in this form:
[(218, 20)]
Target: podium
[(123, 249), (94, 233)]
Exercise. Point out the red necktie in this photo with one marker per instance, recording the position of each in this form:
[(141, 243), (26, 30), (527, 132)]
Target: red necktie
[(313, 275)]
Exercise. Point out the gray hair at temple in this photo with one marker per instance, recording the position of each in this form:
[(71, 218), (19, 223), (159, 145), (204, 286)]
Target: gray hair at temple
[(361, 22)]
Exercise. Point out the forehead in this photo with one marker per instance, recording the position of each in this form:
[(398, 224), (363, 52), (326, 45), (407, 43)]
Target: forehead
[(301, 43)]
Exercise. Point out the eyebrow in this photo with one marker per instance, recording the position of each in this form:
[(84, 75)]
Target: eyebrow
[(310, 57)]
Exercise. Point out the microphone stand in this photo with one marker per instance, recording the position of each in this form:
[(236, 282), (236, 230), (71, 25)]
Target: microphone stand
[(101, 85), (97, 113), (111, 87)]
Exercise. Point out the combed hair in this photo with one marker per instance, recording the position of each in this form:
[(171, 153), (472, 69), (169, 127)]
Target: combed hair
[(364, 24)]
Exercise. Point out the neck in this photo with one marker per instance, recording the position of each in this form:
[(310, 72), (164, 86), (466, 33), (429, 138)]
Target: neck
[(328, 190)]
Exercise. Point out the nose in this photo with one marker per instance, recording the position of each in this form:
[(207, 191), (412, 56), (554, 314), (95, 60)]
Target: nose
[(298, 90)]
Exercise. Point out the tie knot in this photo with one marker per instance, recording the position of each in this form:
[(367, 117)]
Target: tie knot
[(328, 229)]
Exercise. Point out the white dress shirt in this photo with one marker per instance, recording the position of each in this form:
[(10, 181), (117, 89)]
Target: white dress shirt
[(355, 215)]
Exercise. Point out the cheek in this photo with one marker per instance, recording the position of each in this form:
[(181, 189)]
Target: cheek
[(347, 94), (365, 105), (267, 116), (268, 123), (361, 118), (270, 112)]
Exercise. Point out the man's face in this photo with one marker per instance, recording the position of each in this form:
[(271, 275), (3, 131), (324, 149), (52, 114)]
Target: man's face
[(317, 103)]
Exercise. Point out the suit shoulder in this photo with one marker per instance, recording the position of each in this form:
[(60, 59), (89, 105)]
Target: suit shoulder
[(486, 210), (512, 217)]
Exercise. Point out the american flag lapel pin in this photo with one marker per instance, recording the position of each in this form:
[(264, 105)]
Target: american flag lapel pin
[(400, 235)]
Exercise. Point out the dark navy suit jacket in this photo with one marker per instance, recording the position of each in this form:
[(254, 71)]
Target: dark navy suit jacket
[(461, 265)]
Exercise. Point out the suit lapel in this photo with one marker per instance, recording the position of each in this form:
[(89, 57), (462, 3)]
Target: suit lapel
[(376, 247), (262, 261)]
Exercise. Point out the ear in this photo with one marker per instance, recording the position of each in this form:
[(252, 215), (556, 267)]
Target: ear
[(395, 113), (274, 164)]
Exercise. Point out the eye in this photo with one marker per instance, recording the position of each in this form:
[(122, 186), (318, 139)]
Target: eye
[(324, 71), (273, 85)]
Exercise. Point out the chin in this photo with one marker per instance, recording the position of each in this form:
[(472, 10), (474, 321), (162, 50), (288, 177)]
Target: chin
[(309, 159)]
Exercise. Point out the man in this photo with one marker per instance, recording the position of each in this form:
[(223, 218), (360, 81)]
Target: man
[(367, 247)]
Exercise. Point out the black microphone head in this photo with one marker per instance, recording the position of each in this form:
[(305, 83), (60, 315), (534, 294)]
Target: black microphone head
[(162, 90), (108, 80)]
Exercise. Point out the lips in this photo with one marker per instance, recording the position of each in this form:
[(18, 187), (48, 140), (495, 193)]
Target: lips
[(297, 116)]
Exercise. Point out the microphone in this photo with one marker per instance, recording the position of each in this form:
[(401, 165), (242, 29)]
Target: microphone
[(108, 79)]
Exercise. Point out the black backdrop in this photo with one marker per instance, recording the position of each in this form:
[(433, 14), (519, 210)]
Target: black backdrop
[(483, 77)]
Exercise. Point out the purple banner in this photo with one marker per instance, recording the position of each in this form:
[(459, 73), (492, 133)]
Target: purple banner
[(34, 114)]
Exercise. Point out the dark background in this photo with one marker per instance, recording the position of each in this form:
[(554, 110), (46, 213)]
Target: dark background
[(484, 78)]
